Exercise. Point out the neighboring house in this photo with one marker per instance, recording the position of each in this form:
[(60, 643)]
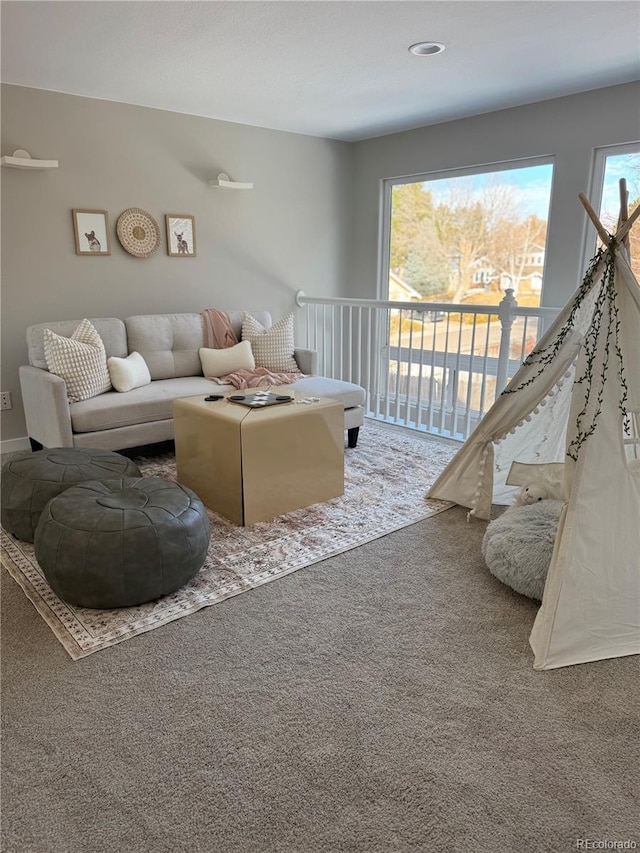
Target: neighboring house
[(531, 267), (400, 291), (483, 274), (533, 282), (529, 279)]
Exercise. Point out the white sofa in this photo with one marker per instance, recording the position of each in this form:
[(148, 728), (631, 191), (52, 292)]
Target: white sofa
[(169, 343)]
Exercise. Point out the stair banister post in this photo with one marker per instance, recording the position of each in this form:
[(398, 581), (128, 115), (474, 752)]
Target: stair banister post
[(506, 315)]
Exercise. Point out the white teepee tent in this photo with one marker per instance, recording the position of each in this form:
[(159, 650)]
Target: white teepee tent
[(576, 399)]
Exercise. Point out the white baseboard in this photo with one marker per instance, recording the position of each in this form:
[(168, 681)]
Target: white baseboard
[(10, 445)]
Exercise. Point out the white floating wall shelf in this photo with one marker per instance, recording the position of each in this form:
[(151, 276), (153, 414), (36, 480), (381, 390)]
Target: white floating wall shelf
[(223, 182), (21, 159)]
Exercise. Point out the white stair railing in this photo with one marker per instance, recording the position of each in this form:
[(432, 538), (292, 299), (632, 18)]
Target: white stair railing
[(431, 366)]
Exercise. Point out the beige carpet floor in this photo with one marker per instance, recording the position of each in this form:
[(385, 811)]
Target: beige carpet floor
[(382, 700)]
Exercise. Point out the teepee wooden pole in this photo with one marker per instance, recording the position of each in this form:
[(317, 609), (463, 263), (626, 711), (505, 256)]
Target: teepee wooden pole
[(602, 231), (622, 231), (624, 208), (628, 225), (624, 200)]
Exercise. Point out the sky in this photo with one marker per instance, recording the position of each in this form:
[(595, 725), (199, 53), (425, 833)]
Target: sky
[(620, 166), (532, 184)]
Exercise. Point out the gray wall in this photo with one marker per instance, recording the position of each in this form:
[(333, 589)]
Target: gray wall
[(568, 128), (255, 248)]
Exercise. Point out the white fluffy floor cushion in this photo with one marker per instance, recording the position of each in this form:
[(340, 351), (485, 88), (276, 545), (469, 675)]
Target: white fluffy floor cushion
[(518, 546)]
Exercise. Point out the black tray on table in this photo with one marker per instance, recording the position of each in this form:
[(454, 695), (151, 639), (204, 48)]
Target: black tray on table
[(260, 399)]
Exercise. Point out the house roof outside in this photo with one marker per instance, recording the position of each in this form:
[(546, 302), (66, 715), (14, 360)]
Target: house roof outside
[(398, 287), (337, 69)]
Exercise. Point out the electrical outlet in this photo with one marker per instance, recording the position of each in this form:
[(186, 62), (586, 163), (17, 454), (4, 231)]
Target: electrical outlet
[(5, 399)]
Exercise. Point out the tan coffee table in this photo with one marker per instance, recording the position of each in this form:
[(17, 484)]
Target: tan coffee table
[(253, 464)]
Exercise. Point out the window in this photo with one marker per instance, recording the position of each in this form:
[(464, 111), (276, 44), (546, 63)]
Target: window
[(612, 164), (460, 238), (451, 237)]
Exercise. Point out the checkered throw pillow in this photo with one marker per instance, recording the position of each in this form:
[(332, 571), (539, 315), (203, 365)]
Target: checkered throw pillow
[(80, 360), (273, 347)]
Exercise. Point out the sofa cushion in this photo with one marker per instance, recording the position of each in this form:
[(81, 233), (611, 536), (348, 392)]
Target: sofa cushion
[(220, 362), (347, 393), (80, 360), (128, 373), (149, 403), (169, 343), (272, 348), (111, 330), (154, 402)]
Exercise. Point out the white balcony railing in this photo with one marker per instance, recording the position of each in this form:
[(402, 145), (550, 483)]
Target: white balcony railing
[(430, 366)]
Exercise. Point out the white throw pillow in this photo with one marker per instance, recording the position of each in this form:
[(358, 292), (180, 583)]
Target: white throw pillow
[(128, 373), (219, 362), (273, 347), (80, 360)]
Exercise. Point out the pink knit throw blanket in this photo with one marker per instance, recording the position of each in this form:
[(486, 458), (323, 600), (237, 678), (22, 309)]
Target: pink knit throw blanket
[(219, 334), (245, 378), (218, 331)]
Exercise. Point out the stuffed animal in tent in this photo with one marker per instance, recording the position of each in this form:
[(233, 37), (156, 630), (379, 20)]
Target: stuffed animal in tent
[(543, 486)]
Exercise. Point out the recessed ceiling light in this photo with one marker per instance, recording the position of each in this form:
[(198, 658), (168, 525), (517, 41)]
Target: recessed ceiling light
[(426, 48)]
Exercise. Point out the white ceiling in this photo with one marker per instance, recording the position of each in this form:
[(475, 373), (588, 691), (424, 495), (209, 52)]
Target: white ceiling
[(328, 68)]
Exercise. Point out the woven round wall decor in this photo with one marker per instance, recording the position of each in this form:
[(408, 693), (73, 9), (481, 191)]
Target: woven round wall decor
[(138, 232)]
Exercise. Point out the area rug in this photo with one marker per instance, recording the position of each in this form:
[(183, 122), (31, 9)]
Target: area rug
[(386, 477)]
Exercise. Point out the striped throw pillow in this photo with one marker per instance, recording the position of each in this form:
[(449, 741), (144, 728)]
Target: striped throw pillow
[(80, 360), (272, 348)]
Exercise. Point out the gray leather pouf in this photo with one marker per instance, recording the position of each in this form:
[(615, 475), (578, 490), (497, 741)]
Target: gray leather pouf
[(29, 482), (117, 543)]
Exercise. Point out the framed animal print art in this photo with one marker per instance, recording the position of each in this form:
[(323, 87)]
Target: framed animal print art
[(91, 229), (181, 235)]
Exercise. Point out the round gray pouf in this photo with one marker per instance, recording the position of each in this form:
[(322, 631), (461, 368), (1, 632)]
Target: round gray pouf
[(29, 482), (118, 543), (518, 546)]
